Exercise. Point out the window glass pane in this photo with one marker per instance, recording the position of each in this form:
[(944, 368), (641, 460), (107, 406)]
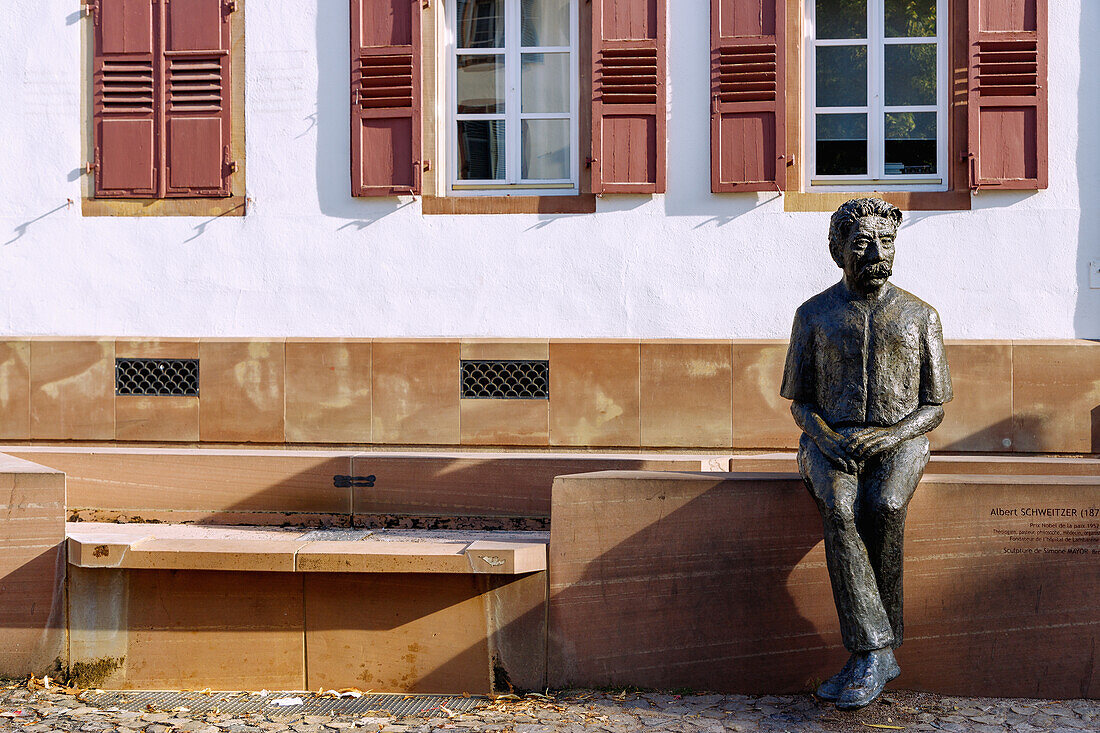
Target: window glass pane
[(545, 149), (910, 143), (544, 22), (480, 84), (479, 23), (480, 150), (842, 145), (841, 18), (910, 73), (910, 18), (544, 78), (841, 76)]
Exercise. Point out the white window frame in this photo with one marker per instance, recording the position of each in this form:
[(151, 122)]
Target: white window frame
[(514, 184), (876, 179)]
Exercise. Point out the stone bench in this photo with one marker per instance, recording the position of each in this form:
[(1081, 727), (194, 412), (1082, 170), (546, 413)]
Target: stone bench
[(941, 463), (718, 582), (32, 568), (184, 606), (674, 579), (455, 490), (266, 549)]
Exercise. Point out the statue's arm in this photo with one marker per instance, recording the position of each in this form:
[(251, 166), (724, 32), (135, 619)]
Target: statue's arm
[(827, 439)]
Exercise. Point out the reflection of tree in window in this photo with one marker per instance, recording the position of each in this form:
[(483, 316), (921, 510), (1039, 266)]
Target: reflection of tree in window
[(841, 18), (910, 18), (842, 76), (910, 73), (901, 55), (910, 143), (842, 144)]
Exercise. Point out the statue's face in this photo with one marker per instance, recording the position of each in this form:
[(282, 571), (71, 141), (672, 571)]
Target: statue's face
[(869, 252)]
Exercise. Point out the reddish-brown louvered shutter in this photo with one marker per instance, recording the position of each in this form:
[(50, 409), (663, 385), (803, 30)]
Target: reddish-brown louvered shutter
[(747, 133), (628, 96), (385, 97), (196, 97), (1007, 101), (124, 119)]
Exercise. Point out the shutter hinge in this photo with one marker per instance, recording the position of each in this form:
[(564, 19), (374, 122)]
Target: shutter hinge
[(229, 164), (974, 186), (589, 161), (427, 165), (94, 165), (91, 7), (230, 6), (427, 4)]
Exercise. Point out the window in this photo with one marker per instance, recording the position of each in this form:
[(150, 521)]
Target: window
[(559, 101), (876, 86), (165, 107), (513, 82)]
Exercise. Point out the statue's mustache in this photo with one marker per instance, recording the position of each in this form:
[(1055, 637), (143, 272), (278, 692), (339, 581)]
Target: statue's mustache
[(876, 270)]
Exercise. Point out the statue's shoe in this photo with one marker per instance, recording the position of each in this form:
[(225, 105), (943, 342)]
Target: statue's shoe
[(868, 680), (831, 688)]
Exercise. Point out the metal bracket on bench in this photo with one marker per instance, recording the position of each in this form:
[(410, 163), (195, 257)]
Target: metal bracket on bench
[(345, 482)]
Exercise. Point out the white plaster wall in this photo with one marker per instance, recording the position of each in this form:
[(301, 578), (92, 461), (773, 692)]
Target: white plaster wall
[(309, 260)]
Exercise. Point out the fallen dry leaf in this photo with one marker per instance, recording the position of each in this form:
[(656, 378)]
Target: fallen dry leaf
[(880, 725)]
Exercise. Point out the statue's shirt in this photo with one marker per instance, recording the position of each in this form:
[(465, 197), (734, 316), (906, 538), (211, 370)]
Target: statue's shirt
[(866, 362)]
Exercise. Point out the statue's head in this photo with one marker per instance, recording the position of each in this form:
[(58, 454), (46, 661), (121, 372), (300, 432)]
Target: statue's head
[(861, 241)]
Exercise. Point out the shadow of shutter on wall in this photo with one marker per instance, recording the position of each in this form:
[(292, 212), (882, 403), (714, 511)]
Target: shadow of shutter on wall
[(747, 131), (124, 120), (385, 97), (197, 79), (628, 96), (1007, 100)]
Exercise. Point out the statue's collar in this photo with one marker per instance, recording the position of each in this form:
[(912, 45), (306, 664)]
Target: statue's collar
[(885, 293)]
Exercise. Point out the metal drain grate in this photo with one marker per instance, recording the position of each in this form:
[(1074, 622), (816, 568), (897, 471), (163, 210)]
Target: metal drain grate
[(159, 377), (231, 703), (505, 380), (336, 535)]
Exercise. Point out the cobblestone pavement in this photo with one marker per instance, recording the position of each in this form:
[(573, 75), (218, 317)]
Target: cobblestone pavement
[(40, 711)]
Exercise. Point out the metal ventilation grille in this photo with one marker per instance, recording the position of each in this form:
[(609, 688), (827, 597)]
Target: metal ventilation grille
[(385, 81), (159, 377), (127, 86), (195, 84), (236, 703), (506, 380), (628, 76), (747, 73)]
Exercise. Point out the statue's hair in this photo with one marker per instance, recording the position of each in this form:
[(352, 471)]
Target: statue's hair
[(849, 213)]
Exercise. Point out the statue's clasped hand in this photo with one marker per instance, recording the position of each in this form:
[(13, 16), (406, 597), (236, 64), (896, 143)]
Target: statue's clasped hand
[(835, 448), (848, 452), (867, 442)]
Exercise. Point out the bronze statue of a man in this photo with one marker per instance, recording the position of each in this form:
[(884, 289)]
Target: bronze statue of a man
[(868, 378)]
